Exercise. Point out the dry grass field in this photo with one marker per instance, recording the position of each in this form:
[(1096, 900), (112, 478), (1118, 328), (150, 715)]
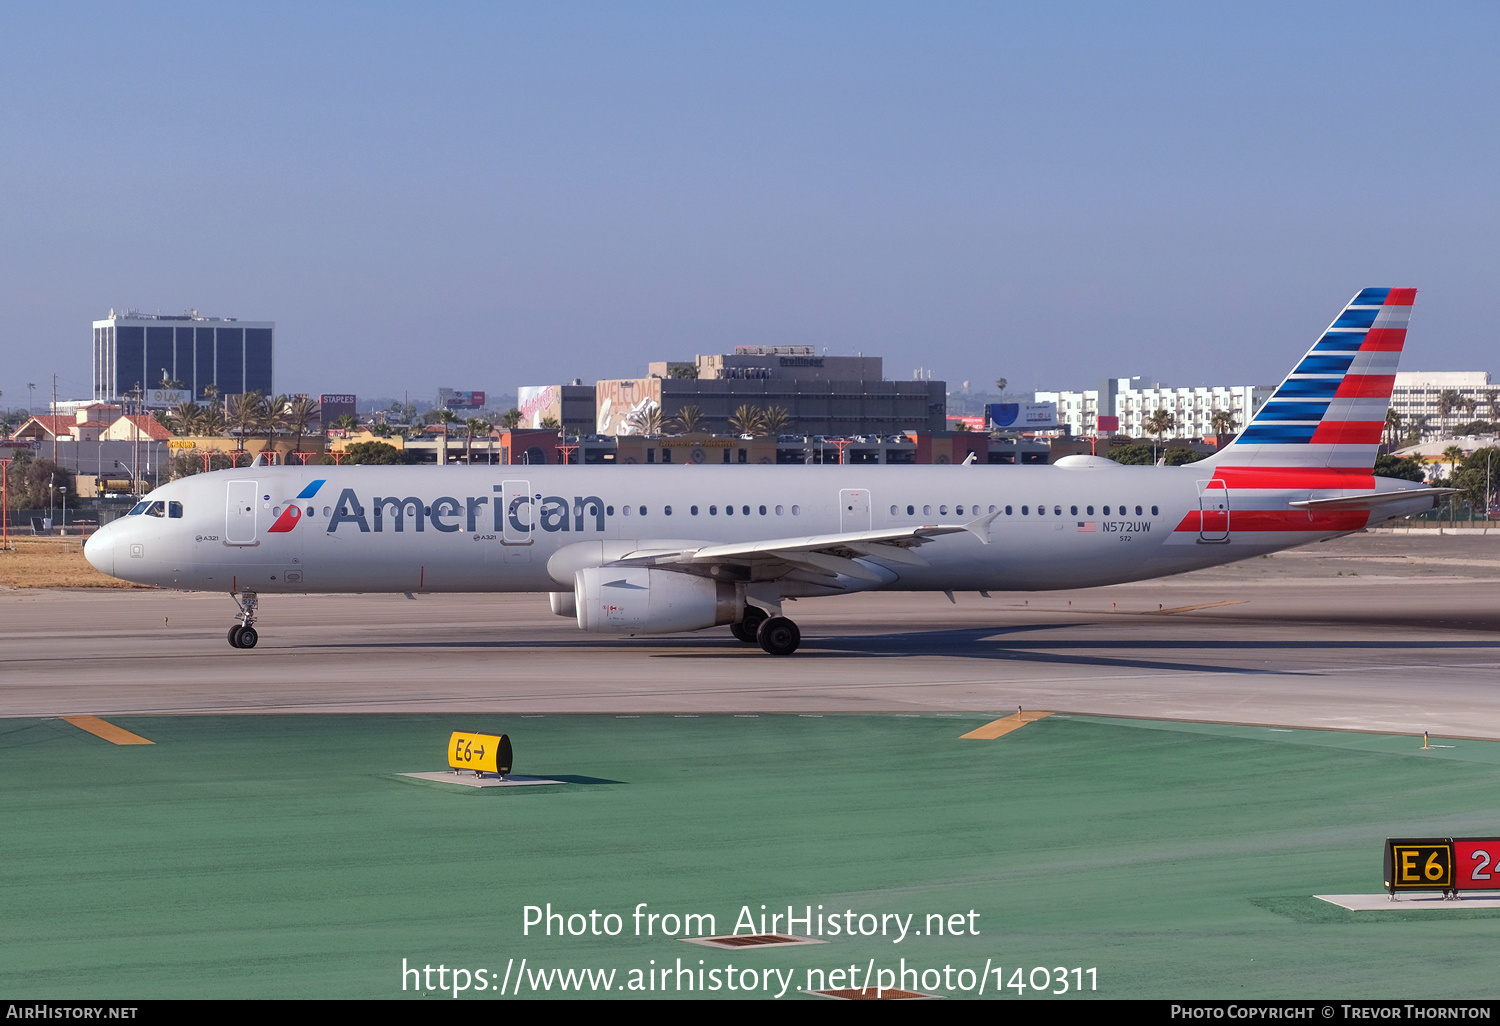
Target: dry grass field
[(52, 563)]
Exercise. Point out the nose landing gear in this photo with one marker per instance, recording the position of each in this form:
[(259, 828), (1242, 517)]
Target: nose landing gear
[(243, 634)]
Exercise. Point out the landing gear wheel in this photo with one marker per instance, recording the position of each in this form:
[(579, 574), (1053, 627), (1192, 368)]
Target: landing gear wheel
[(234, 636), (248, 637), (779, 636), (748, 629)]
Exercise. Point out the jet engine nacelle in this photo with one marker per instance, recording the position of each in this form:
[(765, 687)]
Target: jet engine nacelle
[(639, 600), (563, 604)]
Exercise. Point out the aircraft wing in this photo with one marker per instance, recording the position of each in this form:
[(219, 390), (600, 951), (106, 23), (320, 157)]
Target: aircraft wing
[(821, 554)]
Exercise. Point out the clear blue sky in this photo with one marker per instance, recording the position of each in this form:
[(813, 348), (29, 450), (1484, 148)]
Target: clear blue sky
[(481, 195)]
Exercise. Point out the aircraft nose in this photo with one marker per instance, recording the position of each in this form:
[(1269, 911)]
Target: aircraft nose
[(99, 550)]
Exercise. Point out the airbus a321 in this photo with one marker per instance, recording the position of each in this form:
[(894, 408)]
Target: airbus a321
[(668, 548)]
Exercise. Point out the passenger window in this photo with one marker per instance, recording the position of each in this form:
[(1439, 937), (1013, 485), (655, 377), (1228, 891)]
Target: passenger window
[(713, 511), (1106, 511), (796, 510), (729, 511), (643, 511), (893, 511), (1090, 510), (609, 511), (927, 511), (667, 510), (1008, 512), (992, 509), (1041, 511), (746, 510), (1155, 511), (911, 511), (958, 510), (1057, 511), (763, 511), (942, 511), (625, 510), (1138, 511), (1025, 511), (693, 510), (778, 510), (1073, 511)]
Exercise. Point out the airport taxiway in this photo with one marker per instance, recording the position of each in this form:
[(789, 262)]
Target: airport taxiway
[(1395, 633)]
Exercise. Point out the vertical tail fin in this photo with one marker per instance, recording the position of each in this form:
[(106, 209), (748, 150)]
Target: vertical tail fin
[(1330, 411)]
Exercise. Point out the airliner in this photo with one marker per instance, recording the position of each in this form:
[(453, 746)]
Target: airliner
[(673, 548)]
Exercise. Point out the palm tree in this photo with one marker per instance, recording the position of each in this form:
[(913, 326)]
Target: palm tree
[(474, 426), (1392, 428), (689, 419), (297, 416), (511, 419), (776, 420), (1222, 421), (1159, 423), (244, 415), (1451, 456), (651, 421), (1448, 399), (747, 420)]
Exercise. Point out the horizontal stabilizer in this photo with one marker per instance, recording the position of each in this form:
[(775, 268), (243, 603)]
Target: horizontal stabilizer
[(1374, 500)]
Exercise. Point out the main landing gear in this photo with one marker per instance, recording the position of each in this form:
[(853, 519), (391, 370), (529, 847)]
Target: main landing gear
[(775, 634), (242, 634)]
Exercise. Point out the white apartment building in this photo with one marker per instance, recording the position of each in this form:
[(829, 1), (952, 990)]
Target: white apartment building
[(1136, 399), (1419, 394)]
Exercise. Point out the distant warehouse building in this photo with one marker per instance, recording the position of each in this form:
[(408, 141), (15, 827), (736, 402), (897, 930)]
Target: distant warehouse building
[(134, 351), (821, 395)]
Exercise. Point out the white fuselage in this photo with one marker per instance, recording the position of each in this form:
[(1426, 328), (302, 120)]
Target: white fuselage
[(518, 528)]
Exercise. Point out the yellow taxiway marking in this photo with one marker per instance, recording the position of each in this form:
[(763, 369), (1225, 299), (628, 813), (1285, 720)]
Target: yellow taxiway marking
[(111, 733), (1004, 725), (1206, 605)]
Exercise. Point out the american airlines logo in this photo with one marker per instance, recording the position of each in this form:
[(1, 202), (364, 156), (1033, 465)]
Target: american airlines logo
[(292, 515), (512, 515)]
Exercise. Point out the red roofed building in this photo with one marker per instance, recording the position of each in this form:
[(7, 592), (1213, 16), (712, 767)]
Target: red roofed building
[(136, 427)]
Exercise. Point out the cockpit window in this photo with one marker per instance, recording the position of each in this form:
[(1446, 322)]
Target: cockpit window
[(140, 508), (174, 510), (156, 509)]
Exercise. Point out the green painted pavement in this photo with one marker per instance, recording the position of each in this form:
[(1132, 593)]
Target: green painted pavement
[(282, 856)]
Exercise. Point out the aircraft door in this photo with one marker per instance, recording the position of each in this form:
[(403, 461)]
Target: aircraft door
[(239, 515), (854, 510), (518, 512), (1213, 507)]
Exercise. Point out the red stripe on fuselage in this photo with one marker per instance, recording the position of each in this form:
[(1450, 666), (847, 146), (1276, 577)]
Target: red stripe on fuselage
[(1366, 386), (1243, 520), (1383, 340), (1296, 478)]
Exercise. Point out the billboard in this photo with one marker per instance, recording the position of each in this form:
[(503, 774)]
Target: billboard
[(539, 402), (334, 406), (166, 398), (452, 400), (627, 406), (1024, 416)]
